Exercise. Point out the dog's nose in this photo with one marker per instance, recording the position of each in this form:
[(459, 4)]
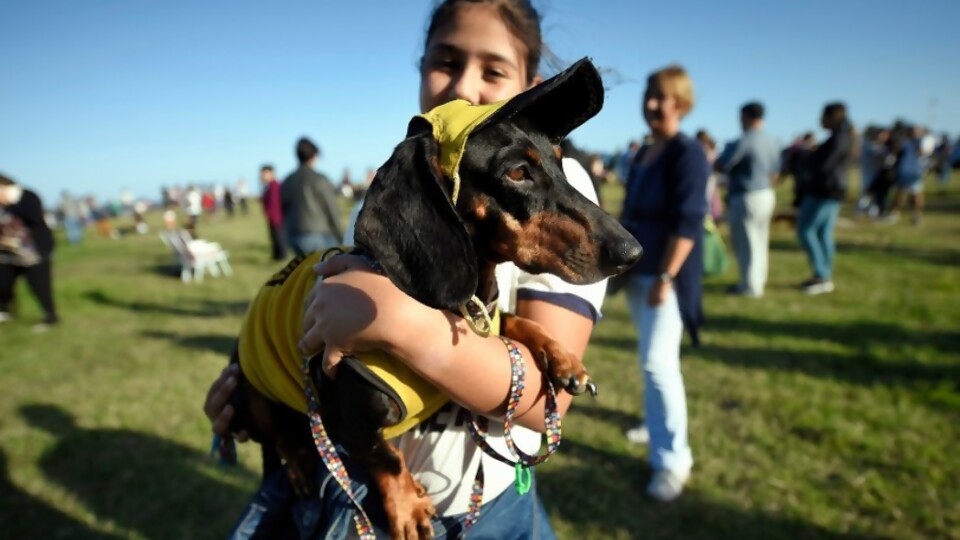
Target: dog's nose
[(619, 255)]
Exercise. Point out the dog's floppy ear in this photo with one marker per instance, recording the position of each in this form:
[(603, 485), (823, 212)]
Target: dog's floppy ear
[(411, 227)]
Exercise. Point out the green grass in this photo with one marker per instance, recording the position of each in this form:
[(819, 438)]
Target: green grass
[(810, 417)]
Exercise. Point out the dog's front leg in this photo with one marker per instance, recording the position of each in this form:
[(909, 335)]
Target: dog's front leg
[(356, 411), (564, 368)]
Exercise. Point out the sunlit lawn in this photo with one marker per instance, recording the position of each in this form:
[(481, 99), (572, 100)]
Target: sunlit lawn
[(835, 416)]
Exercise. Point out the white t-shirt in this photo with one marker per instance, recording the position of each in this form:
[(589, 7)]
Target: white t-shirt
[(440, 452)]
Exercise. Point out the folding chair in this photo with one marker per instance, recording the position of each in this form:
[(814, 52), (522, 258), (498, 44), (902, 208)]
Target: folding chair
[(196, 257)]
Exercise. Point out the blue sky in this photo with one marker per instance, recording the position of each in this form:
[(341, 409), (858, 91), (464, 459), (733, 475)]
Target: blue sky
[(99, 95)]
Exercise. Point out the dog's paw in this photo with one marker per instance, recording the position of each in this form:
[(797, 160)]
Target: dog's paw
[(566, 370), (301, 470), (412, 518), (422, 515), (301, 485)]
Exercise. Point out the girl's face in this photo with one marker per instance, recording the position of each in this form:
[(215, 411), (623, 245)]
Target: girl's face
[(660, 110), (473, 57)]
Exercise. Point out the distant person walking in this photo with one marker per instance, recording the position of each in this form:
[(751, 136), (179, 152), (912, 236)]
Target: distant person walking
[(73, 220), (795, 163), (752, 164), (273, 211), (870, 152), (26, 247), (821, 197), (885, 176), (193, 207), (242, 194), (228, 201), (311, 215), (910, 172), (943, 166)]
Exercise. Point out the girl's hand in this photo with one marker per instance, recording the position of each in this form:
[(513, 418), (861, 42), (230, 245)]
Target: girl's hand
[(315, 310), (658, 293), (353, 309), (217, 407)]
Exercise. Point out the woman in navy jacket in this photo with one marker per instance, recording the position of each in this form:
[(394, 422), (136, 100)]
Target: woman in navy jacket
[(665, 209)]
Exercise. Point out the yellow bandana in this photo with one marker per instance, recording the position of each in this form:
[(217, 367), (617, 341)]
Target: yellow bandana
[(453, 122)]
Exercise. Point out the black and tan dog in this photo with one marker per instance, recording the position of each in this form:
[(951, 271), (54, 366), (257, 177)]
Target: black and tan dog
[(469, 188)]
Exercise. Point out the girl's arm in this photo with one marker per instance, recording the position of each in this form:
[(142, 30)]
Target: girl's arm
[(473, 371)]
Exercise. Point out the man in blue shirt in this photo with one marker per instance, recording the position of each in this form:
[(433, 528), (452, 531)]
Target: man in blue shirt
[(752, 164), (910, 171)]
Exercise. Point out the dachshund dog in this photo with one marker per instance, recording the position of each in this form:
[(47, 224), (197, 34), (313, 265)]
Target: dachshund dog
[(440, 215)]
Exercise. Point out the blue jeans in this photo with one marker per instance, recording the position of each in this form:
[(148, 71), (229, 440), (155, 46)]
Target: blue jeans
[(945, 172), (275, 513), (815, 225), (305, 244), (74, 230), (659, 331)]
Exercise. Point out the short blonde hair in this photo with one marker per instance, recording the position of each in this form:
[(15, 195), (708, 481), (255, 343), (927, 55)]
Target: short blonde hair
[(674, 81)]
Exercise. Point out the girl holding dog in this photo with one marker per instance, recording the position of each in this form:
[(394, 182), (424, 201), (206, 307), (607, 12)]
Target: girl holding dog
[(483, 51)]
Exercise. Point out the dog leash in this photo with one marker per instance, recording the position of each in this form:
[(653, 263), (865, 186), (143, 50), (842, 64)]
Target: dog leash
[(328, 454), (477, 427), (477, 317)]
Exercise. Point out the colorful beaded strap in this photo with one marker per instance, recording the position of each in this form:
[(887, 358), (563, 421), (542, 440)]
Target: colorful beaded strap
[(479, 321), (477, 426), (328, 453)]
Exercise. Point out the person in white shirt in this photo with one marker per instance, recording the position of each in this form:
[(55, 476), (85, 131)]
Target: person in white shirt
[(193, 207)]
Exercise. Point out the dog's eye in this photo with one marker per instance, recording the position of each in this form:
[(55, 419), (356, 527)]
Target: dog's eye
[(519, 174)]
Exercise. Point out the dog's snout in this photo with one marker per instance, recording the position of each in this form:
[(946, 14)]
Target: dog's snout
[(620, 254)]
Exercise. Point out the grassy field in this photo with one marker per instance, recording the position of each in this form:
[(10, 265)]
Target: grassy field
[(835, 416)]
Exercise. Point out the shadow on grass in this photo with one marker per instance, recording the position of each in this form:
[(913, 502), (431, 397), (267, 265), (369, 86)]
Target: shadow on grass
[(170, 269), (205, 342), (138, 481), (198, 308), (606, 491), (622, 420), (24, 516), (859, 337), (942, 257), (939, 202)]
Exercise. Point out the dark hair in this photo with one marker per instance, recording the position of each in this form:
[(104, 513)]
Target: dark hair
[(752, 110), (6, 181), (704, 137), (837, 112), (306, 150), (270, 167), (519, 16)]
